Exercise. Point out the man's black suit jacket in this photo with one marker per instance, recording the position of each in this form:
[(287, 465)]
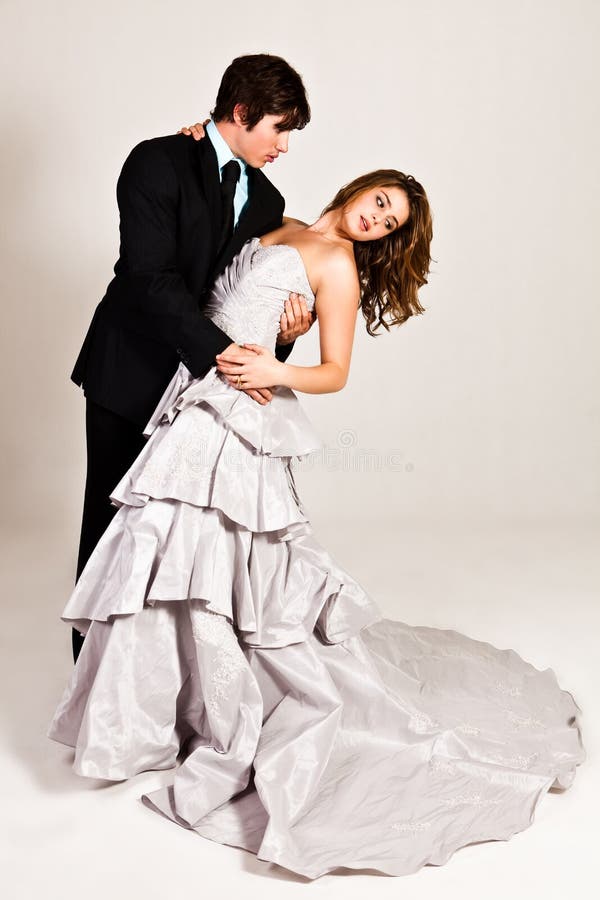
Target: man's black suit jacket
[(151, 316)]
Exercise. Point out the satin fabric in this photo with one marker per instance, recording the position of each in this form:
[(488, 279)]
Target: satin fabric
[(308, 728)]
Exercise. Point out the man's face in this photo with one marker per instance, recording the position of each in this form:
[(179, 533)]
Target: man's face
[(263, 143)]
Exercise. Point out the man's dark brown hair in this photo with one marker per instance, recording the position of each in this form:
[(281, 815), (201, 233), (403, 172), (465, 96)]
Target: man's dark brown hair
[(265, 85)]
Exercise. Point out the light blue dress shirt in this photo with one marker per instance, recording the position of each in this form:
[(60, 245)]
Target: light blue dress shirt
[(224, 155)]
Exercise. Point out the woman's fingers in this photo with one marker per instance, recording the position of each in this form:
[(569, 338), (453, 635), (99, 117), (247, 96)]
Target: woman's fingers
[(197, 131), (255, 348), (261, 395), (237, 355), (230, 368)]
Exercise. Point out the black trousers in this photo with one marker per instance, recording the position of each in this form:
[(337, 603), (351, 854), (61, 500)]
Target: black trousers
[(112, 445)]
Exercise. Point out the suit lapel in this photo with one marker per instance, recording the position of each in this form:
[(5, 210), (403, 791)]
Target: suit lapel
[(257, 218), (254, 217), (208, 168)]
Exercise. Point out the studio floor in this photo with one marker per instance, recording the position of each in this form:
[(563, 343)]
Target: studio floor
[(532, 588)]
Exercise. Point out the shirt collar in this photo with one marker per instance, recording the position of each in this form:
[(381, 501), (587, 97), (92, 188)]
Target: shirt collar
[(222, 148)]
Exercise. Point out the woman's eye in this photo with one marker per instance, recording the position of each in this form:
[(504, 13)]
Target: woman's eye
[(388, 224), (379, 201)]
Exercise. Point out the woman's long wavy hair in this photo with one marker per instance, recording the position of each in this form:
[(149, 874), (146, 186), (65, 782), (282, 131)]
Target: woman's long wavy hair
[(393, 268)]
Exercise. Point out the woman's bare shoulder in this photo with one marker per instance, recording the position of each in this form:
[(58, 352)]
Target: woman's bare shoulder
[(283, 234), (338, 261), (294, 222)]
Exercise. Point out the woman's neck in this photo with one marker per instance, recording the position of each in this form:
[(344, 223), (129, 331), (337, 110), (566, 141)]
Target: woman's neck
[(328, 226)]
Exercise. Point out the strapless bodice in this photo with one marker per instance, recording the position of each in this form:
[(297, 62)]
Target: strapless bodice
[(248, 299)]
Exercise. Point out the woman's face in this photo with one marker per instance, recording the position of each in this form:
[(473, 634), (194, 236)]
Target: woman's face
[(375, 213)]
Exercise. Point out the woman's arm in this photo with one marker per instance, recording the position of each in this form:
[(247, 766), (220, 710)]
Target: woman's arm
[(336, 302)]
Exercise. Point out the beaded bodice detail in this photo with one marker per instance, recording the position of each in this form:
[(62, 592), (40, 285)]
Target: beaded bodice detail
[(248, 298)]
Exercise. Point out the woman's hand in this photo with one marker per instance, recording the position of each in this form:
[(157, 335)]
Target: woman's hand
[(197, 131), (263, 370)]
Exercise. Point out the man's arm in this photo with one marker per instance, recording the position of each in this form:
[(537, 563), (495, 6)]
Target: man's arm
[(156, 301), (282, 351)]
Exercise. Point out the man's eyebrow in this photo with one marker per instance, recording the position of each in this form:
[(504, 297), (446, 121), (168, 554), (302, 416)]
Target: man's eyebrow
[(389, 204)]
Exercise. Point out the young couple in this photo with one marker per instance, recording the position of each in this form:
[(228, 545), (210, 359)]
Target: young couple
[(309, 729)]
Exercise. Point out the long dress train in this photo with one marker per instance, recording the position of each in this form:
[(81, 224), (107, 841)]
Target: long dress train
[(312, 731)]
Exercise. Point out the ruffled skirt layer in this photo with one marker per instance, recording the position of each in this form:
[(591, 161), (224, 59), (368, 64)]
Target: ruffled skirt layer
[(311, 731)]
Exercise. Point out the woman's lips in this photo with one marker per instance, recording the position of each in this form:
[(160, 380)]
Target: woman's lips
[(364, 224)]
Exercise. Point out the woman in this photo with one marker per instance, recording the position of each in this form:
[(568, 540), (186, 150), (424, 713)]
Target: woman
[(312, 731)]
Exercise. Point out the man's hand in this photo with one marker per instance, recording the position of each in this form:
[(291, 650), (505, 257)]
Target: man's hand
[(295, 321), (262, 396), (197, 131)]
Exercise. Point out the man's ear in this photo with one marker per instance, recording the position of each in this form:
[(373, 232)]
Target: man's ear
[(240, 114)]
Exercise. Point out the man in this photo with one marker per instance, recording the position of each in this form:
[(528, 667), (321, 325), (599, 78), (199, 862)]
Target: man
[(186, 208)]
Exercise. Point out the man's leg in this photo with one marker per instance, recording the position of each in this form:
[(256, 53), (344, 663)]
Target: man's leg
[(112, 445)]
